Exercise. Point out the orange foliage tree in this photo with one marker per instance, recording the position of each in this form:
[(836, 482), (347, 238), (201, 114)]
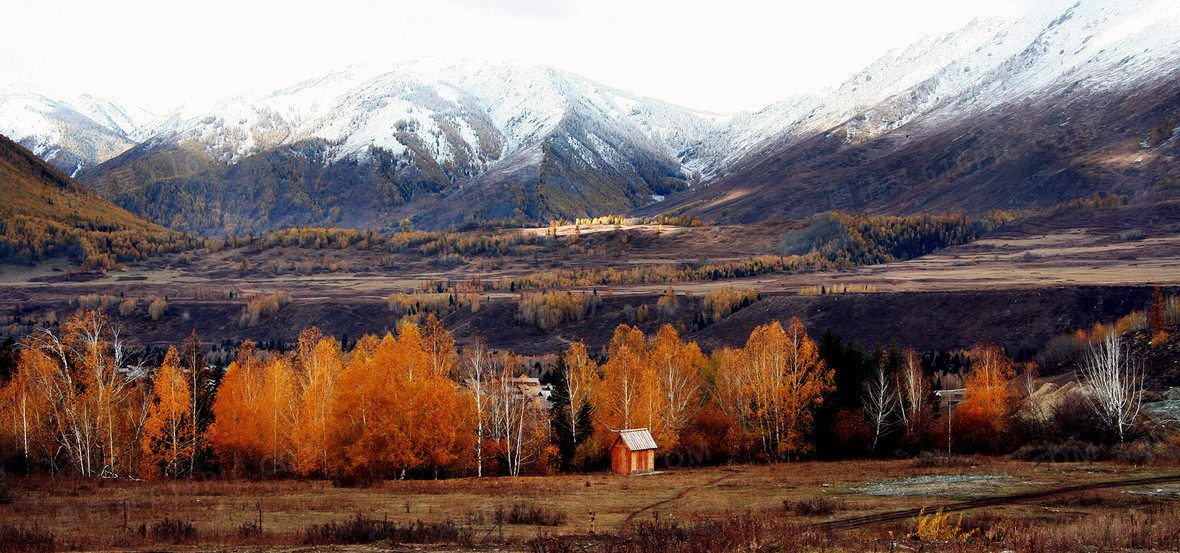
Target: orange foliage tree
[(252, 413), (982, 422), (394, 412)]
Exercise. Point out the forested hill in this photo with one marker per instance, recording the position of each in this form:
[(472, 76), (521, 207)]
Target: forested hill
[(47, 214)]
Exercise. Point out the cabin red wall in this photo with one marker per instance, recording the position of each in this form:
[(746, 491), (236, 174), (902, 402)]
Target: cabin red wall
[(620, 459)]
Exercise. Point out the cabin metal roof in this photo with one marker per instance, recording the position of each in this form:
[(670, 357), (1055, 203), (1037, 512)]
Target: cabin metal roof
[(638, 439)]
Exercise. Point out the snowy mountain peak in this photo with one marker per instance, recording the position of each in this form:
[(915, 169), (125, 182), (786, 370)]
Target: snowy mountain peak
[(71, 132)]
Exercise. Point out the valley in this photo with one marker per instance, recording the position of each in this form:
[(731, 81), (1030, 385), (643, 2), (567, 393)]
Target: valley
[(426, 303), (1060, 269)]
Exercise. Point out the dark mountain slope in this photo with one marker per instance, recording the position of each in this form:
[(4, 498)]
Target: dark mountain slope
[(1030, 155)]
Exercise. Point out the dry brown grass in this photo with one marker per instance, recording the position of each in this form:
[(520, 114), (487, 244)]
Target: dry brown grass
[(89, 514)]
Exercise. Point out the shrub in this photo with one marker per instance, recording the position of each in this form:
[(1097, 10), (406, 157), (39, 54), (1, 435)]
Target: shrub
[(931, 459), (365, 530), (730, 533), (174, 530), (667, 304), (727, 301), (18, 539), (157, 308), (938, 527), (519, 513), (260, 306), (549, 310), (95, 301), (815, 506), (127, 307), (837, 289), (249, 530)]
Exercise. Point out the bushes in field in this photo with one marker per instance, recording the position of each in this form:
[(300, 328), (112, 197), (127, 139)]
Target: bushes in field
[(520, 513), (261, 306), (96, 301), (361, 530), (440, 304), (722, 303), (837, 289), (174, 530), (18, 539), (667, 304), (549, 310), (1098, 201), (157, 308)]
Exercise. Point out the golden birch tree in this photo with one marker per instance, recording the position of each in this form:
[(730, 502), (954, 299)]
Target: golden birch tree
[(167, 436)]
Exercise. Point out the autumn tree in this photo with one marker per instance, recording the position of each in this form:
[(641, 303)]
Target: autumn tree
[(982, 420), (782, 382), (394, 413), (477, 362), (677, 367), (517, 426), (246, 430), (167, 440), (879, 402), (75, 389), (202, 384), (440, 347), (1157, 318), (628, 396), (321, 366)]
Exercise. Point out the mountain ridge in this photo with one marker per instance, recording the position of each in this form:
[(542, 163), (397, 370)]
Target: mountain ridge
[(436, 143)]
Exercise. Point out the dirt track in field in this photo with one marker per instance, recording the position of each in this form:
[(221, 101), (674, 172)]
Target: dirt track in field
[(867, 520)]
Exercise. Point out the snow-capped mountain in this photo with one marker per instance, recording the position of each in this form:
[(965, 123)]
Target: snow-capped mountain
[(1003, 112), (996, 92), (70, 132), (535, 142), (1100, 44)]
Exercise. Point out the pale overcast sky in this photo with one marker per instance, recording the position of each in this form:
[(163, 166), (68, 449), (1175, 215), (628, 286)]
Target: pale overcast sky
[(723, 56)]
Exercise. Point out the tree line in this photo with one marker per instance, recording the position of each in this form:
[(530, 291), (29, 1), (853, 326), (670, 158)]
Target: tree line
[(412, 404)]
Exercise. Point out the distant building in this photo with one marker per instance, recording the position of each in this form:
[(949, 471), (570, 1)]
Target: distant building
[(950, 399), (533, 391), (634, 452)]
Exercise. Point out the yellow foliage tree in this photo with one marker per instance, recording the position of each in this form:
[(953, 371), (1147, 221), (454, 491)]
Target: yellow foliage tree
[(627, 396), (321, 366), (167, 435), (774, 386)]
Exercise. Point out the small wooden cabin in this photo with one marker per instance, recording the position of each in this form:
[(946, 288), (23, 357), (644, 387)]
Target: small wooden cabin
[(634, 452)]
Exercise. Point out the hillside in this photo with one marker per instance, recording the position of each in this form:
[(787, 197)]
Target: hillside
[(47, 214)]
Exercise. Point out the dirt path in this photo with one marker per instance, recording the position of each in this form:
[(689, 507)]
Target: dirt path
[(627, 521), (857, 522)]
